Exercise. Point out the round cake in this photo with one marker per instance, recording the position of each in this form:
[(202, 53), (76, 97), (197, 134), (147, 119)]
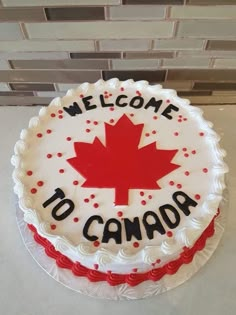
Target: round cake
[(120, 181)]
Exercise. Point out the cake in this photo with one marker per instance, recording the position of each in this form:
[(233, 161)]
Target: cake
[(120, 181)]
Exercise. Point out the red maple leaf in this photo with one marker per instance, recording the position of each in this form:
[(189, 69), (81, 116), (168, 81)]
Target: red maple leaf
[(121, 164)]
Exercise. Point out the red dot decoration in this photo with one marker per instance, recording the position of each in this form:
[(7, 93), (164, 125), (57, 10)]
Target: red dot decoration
[(141, 193), (76, 219), (95, 205), (49, 155), (111, 109), (60, 116), (92, 196), (86, 200), (68, 138), (39, 135), (155, 117), (122, 89), (61, 170), (205, 170), (53, 226), (111, 121), (143, 202), (180, 116), (40, 183), (59, 154), (60, 111), (33, 191), (167, 101), (131, 115), (194, 152), (81, 95), (88, 121), (186, 155), (154, 132), (95, 123), (110, 94), (169, 234), (96, 266), (187, 173), (185, 119), (138, 92), (147, 134), (96, 243), (201, 134), (75, 182), (176, 133), (184, 149), (87, 130), (136, 244), (29, 173), (179, 120), (171, 183), (134, 269), (158, 261), (106, 96), (53, 115), (179, 186), (49, 131), (105, 92), (197, 197), (119, 213), (149, 196)]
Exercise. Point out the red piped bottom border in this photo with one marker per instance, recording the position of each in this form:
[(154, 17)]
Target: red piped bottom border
[(131, 279)]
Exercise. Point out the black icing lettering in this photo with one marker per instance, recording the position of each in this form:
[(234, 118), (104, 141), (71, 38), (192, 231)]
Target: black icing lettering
[(66, 213), (168, 110), (103, 104), (87, 105), (164, 213), (185, 203), (107, 234), (132, 228), (150, 228), (87, 226), (118, 103), (73, 110), (153, 103), (58, 194), (136, 102)]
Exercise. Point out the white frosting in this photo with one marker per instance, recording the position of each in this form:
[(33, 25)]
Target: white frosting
[(203, 153)]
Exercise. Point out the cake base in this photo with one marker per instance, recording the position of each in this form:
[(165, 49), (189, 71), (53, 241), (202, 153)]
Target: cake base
[(124, 291)]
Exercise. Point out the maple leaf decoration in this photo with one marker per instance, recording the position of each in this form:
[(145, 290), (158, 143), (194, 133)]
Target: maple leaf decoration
[(121, 164)]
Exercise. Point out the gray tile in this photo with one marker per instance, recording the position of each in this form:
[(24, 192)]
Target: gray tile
[(48, 76), (148, 55), (141, 12), (13, 93), (10, 31), (153, 1), (176, 43), (47, 46), (207, 28), (50, 94), (96, 55), (74, 13), (123, 64), (184, 62), (194, 93), (33, 55), (202, 75), (224, 63), (125, 44), (216, 86), (100, 30), (221, 45), (65, 87), (22, 14), (4, 64), (4, 87), (59, 64), (32, 87), (55, 3), (178, 85), (207, 53), (211, 2), (151, 76), (24, 100), (203, 12)]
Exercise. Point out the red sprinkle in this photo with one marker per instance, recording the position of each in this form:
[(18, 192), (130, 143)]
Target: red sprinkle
[(95, 205), (40, 183), (53, 115), (87, 130), (119, 213), (197, 197), (68, 138), (149, 196), (186, 154), (176, 133), (158, 261), (154, 132), (171, 183), (60, 116), (131, 115), (201, 134), (147, 134), (155, 117), (33, 191), (167, 101), (185, 119), (143, 202), (95, 123), (61, 170), (141, 193), (112, 108), (111, 121), (194, 152), (29, 173), (179, 186), (49, 156), (96, 266), (187, 173), (110, 94), (81, 95), (136, 244), (59, 154), (53, 226), (39, 135), (88, 121), (106, 96), (105, 92), (96, 243), (122, 89), (60, 111), (184, 149), (180, 116), (134, 269), (86, 200), (76, 219), (92, 196), (179, 120), (49, 131), (169, 234), (75, 182), (205, 170)]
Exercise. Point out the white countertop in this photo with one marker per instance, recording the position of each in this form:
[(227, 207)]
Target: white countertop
[(25, 289)]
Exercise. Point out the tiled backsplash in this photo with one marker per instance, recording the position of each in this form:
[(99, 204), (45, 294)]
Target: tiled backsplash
[(49, 46)]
